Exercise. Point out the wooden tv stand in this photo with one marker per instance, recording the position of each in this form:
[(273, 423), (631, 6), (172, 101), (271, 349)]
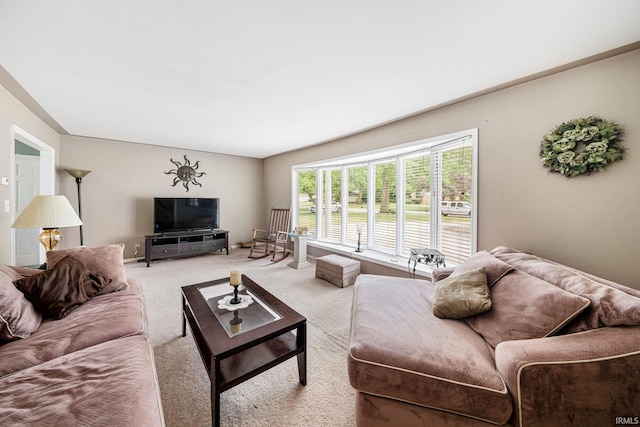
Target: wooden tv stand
[(184, 243)]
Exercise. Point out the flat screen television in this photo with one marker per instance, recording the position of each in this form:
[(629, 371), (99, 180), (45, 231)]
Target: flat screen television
[(171, 214)]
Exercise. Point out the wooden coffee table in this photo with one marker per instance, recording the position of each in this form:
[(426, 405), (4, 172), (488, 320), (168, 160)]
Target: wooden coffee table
[(232, 351)]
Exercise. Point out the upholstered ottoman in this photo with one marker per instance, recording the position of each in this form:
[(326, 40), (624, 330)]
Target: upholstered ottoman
[(337, 270)]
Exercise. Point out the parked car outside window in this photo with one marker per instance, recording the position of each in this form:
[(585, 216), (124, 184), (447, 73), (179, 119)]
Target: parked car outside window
[(335, 207), (456, 208)]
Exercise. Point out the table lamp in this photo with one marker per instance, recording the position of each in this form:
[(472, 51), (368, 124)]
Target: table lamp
[(48, 213)]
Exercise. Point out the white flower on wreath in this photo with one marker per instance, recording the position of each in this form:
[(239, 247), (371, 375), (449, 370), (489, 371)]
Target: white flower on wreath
[(597, 148), (566, 157), (563, 145)]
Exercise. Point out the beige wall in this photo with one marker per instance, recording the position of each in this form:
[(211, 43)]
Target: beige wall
[(12, 112), (117, 196), (589, 222)]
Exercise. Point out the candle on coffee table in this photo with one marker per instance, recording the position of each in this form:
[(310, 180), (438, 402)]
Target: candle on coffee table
[(235, 278)]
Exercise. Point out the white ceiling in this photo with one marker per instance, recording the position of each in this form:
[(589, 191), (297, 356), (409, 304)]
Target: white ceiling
[(257, 77)]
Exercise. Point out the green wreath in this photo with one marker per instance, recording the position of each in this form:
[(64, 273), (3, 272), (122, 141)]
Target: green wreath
[(562, 150)]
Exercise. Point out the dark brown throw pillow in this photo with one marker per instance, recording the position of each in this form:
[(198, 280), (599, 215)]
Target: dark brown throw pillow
[(58, 291)]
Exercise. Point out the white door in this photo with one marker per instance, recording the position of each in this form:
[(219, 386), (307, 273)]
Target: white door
[(27, 187)]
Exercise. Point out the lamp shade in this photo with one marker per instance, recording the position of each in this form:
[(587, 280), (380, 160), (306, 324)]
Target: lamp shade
[(78, 173), (48, 212)]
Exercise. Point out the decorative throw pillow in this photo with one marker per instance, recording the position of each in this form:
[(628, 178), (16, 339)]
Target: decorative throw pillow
[(526, 307), (106, 261), (58, 291), (18, 317), (494, 267), (612, 304), (463, 295)]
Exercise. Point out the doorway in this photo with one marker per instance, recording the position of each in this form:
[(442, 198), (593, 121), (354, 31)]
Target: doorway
[(34, 174), (27, 181)]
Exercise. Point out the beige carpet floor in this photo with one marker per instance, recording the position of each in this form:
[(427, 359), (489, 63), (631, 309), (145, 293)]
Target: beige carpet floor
[(275, 397)]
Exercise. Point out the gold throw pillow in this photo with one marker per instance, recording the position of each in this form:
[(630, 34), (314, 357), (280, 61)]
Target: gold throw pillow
[(463, 295)]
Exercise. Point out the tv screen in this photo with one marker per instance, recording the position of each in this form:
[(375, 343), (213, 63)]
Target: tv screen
[(185, 214)]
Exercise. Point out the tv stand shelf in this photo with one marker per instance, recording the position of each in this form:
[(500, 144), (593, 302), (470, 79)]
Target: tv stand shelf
[(184, 243)]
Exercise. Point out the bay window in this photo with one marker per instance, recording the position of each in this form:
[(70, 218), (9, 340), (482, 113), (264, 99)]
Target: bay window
[(417, 195)]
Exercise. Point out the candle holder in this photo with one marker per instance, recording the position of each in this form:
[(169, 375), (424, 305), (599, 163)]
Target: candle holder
[(235, 299), (235, 280), (235, 323)]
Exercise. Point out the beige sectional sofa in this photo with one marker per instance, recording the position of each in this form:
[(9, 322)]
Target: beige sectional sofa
[(92, 365), (557, 347)]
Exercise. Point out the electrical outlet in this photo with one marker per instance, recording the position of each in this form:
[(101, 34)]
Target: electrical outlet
[(136, 246)]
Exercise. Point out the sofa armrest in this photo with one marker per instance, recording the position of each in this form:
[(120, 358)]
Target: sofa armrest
[(440, 273), (586, 378)]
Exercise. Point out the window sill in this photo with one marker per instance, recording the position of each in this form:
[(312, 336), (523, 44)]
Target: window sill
[(386, 260)]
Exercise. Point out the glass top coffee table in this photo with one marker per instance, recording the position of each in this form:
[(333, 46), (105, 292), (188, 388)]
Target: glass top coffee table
[(243, 340)]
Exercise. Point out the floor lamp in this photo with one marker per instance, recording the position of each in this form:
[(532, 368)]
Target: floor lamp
[(78, 174)]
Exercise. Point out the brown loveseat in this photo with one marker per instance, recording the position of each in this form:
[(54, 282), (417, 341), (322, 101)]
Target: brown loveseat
[(87, 360), (558, 347)]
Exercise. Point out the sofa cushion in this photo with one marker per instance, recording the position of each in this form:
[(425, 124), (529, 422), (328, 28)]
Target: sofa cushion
[(612, 304), (110, 384), (526, 307), (420, 358), (57, 291), (106, 261), (494, 268), (462, 295), (18, 317), (101, 319)]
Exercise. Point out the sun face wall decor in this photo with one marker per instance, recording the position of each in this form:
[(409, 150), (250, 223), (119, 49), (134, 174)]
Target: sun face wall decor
[(185, 173)]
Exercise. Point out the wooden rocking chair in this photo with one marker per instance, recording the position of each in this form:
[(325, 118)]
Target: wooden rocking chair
[(274, 240)]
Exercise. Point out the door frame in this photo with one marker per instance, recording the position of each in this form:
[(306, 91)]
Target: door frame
[(47, 175)]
